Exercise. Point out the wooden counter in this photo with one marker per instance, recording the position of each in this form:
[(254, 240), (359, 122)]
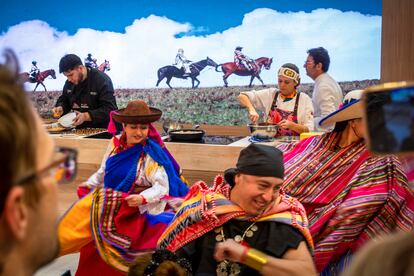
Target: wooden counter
[(198, 161)]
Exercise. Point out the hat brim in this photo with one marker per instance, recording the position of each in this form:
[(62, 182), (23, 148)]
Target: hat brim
[(134, 119), (345, 113), (229, 175)]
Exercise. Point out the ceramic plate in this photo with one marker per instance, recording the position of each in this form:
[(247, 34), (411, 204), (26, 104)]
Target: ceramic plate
[(54, 128), (67, 120)]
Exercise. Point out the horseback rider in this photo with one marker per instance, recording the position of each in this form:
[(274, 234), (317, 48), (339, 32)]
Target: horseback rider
[(34, 71), (90, 62), (182, 62), (239, 57)]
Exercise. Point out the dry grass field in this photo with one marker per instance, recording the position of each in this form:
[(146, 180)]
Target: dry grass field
[(205, 105)]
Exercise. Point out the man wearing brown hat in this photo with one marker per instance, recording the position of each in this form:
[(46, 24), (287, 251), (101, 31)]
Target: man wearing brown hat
[(248, 210), (87, 91)]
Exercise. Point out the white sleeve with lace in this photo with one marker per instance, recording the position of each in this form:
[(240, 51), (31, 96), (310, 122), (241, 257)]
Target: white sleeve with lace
[(154, 174)]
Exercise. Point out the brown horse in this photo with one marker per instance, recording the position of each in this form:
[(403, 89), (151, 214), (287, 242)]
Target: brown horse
[(229, 68), (105, 66), (25, 77)]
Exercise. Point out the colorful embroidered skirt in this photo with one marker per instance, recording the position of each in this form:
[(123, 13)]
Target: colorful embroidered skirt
[(119, 232)]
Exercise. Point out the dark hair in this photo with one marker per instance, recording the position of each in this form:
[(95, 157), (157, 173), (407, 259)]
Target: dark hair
[(18, 137), (139, 264), (68, 62), (169, 268), (294, 68), (340, 126), (160, 263), (320, 55)]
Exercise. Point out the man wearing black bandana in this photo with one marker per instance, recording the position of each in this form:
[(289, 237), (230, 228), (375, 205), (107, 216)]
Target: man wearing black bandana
[(87, 91), (268, 230)]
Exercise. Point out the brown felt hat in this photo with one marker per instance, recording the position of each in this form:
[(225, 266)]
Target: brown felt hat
[(137, 112)]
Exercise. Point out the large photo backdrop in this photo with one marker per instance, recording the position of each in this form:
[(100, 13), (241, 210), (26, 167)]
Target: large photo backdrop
[(138, 37)]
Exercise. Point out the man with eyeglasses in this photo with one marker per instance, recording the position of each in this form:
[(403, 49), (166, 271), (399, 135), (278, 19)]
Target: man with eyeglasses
[(327, 94), (30, 169)]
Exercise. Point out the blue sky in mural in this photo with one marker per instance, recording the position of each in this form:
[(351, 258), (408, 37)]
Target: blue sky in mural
[(141, 36), (206, 16)]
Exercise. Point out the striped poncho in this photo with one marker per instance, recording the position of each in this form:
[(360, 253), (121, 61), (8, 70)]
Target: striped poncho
[(350, 196), (206, 208)]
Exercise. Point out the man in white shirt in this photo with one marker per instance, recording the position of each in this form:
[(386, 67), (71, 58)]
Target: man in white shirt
[(327, 94)]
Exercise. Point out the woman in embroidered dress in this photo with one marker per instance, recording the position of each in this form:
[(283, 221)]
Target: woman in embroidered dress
[(350, 196), (286, 107), (124, 214)]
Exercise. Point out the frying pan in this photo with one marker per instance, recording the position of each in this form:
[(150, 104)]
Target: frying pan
[(187, 134)]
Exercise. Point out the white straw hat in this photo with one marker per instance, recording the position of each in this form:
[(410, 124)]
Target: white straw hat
[(351, 108)]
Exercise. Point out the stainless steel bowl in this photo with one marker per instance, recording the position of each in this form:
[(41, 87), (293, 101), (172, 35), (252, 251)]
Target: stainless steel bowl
[(171, 125), (263, 131)]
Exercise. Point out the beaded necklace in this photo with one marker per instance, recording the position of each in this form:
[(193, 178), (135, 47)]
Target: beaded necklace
[(225, 267)]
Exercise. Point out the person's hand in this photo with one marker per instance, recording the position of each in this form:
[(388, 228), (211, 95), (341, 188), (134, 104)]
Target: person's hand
[(175, 203), (134, 200), (229, 250), (81, 117), (57, 112), (253, 116), (286, 124), (84, 184)]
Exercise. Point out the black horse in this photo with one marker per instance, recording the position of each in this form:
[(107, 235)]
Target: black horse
[(170, 71)]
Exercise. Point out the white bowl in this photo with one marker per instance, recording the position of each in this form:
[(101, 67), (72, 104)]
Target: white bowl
[(67, 120)]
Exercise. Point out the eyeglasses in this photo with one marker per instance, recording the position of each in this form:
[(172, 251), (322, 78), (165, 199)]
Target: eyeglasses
[(309, 62), (63, 168)]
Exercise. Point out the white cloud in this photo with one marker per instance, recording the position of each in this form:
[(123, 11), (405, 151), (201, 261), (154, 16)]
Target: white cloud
[(352, 39)]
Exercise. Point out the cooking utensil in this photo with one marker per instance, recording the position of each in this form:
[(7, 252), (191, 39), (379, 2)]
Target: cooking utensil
[(169, 125), (263, 131), (188, 134)]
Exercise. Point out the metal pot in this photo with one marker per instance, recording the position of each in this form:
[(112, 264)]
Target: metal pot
[(263, 130), (187, 134)]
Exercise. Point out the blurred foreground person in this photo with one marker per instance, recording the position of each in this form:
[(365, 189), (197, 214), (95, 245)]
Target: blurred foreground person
[(124, 214), (350, 195), (30, 168), (249, 210), (392, 255)]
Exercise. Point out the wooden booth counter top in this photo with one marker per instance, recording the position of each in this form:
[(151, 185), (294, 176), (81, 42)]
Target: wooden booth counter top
[(197, 161)]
